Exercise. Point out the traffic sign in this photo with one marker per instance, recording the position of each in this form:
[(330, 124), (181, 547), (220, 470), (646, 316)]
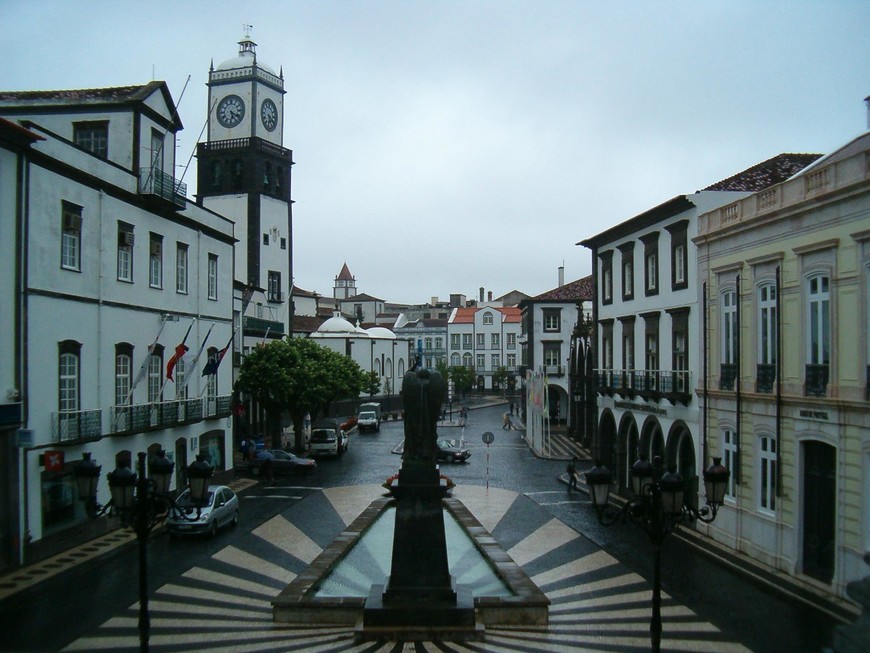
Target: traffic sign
[(488, 438)]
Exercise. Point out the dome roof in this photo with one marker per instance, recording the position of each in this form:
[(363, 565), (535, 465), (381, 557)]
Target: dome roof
[(337, 325), (381, 332), (246, 57)]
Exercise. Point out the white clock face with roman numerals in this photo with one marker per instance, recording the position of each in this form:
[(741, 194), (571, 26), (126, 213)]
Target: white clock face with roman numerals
[(231, 110), (269, 115)]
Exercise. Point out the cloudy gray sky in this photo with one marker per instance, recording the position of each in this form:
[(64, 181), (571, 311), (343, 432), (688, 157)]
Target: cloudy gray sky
[(443, 146)]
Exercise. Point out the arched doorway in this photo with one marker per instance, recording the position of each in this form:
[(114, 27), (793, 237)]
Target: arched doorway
[(819, 509), (681, 456), (627, 452), (606, 437), (180, 463), (652, 442)]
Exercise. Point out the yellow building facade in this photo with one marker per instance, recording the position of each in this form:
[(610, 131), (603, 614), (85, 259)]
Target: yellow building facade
[(785, 398)]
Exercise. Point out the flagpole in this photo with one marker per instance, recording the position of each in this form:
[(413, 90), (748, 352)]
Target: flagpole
[(144, 366), (188, 373)]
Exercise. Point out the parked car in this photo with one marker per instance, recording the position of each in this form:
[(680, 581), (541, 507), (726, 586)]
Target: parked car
[(284, 463), (328, 439), (222, 508), (446, 451), (368, 421)]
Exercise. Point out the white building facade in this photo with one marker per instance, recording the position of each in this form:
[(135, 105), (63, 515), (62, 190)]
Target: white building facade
[(114, 270), (487, 339)]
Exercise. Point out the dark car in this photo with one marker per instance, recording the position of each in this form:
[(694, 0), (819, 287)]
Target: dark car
[(446, 451), (283, 463)]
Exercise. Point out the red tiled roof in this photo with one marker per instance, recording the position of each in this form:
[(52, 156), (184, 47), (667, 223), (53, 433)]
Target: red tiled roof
[(345, 274), (307, 323), (464, 315), (580, 290), (765, 174)]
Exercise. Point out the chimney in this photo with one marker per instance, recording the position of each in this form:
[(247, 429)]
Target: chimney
[(561, 276), (481, 294), (489, 296)]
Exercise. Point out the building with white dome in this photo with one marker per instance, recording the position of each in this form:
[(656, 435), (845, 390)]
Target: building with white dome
[(375, 349)]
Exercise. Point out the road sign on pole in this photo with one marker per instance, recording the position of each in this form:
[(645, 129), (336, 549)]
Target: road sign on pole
[(488, 438)]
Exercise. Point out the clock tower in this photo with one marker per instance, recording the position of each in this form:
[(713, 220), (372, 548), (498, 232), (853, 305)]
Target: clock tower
[(243, 173)]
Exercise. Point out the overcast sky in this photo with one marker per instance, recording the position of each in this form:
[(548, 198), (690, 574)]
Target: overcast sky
[(444, 146)]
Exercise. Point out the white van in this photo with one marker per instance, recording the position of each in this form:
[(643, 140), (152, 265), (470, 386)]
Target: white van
[(327, 439)]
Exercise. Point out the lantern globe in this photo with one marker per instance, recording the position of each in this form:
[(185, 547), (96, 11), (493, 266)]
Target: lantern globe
[(160, 471), (716, 482), (87, 475), (641, 475), (672, 488), (122, 484), (198, 474), (599, 479)]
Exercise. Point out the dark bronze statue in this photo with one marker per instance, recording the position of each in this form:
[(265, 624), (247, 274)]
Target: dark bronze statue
[(422, 394)]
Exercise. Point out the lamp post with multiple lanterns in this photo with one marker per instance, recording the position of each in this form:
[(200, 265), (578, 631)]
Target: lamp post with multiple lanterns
[(142, 503), (658, 507)]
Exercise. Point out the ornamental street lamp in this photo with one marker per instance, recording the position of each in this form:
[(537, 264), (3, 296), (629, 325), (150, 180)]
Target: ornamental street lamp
[(658, 507), (142, 503)]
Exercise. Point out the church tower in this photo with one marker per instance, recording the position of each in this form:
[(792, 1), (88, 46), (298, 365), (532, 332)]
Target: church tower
[(243, 173), (345, 284)]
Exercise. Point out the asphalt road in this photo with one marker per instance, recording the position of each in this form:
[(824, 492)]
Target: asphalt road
[(53, 614)]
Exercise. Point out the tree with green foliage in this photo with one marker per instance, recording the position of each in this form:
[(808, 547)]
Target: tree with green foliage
[(300, 377), (463, 378), (499, 377), (442, 369), (373, 383)]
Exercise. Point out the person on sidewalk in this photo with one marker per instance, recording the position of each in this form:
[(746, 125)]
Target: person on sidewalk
[(572, 474), (506, 421)]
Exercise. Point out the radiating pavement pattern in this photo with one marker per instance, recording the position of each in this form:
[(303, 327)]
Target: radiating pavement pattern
[(225, 604)]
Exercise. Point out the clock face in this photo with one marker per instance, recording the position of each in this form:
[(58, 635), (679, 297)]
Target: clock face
[(231, 110), (269, 115)]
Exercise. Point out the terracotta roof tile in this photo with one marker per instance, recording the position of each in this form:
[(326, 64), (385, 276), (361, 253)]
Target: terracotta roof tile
[(765, 174), (345, 274)]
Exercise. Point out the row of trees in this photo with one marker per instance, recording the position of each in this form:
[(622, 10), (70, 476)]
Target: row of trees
[(300, 377)]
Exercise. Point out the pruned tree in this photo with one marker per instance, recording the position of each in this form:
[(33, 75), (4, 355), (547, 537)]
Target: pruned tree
[(300, 377)]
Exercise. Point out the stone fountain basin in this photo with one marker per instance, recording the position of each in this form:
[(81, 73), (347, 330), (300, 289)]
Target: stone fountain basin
[(518, 602)]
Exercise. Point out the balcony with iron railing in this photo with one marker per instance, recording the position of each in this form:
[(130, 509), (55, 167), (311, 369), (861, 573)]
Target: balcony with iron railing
[(765, 377), (138, 418), (817, 377), (650, 385), (259, 327), (76, 425), (156, 183), (727, 375)]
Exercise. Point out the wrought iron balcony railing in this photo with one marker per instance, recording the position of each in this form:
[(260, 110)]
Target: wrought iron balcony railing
[(673, 385), (72, 425), (765, 376), (727, 375), (153, 181), (817, 377)]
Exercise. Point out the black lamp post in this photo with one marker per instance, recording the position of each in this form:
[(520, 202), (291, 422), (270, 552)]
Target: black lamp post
[(142, 503), (658, 507)]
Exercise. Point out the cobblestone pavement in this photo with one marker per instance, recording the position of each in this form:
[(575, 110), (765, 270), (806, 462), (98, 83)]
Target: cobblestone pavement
[(225, 604)]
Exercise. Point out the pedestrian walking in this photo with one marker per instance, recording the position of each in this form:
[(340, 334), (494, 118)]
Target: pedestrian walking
[(572, 474), (506, 421)]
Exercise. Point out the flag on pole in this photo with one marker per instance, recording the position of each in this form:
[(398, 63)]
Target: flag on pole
[(215, 358), (180, 350), (144, 367), (189, 375)]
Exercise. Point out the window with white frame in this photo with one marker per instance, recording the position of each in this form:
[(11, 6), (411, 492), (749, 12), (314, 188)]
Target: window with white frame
[(651, 263), (481, 340), (552, 355), (511, 341), (627, 252), (155, 376), (155, 261), (123, 374), (607, 277), (511, 361), (92, 136), (679, 254), (481, 361), (454, 341), (767, 323), (68, 376), (427, 343), (680, 264), (466, 341), (181, 268), (439, 343), (495, 340), (628, 349), (729, 327), (455, 360), (467, 360), (126, 240), (212, 276), (552, 319), (496, 361), (729, 457), (179, 374), (71, 237), (767, 474), (487, 318), (819, 318)]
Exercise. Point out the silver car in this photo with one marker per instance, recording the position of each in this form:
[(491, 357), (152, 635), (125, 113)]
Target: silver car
[(222, 508)]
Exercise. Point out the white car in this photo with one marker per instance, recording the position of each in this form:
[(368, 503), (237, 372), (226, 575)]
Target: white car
[(327, 439), (222, 508), (368, 421)]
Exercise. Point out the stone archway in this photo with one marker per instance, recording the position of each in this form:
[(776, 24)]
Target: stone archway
[(603, 450), (681, 456), (627, 451)]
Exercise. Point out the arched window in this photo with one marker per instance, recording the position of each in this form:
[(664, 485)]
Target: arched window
[(69, 353), (455, 360), (487, 318)]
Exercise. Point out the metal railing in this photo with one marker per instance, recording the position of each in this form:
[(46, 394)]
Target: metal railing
[(727, 376), (645, 382), (817, 380), (71, 425), (156, 182), (765, 376)]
